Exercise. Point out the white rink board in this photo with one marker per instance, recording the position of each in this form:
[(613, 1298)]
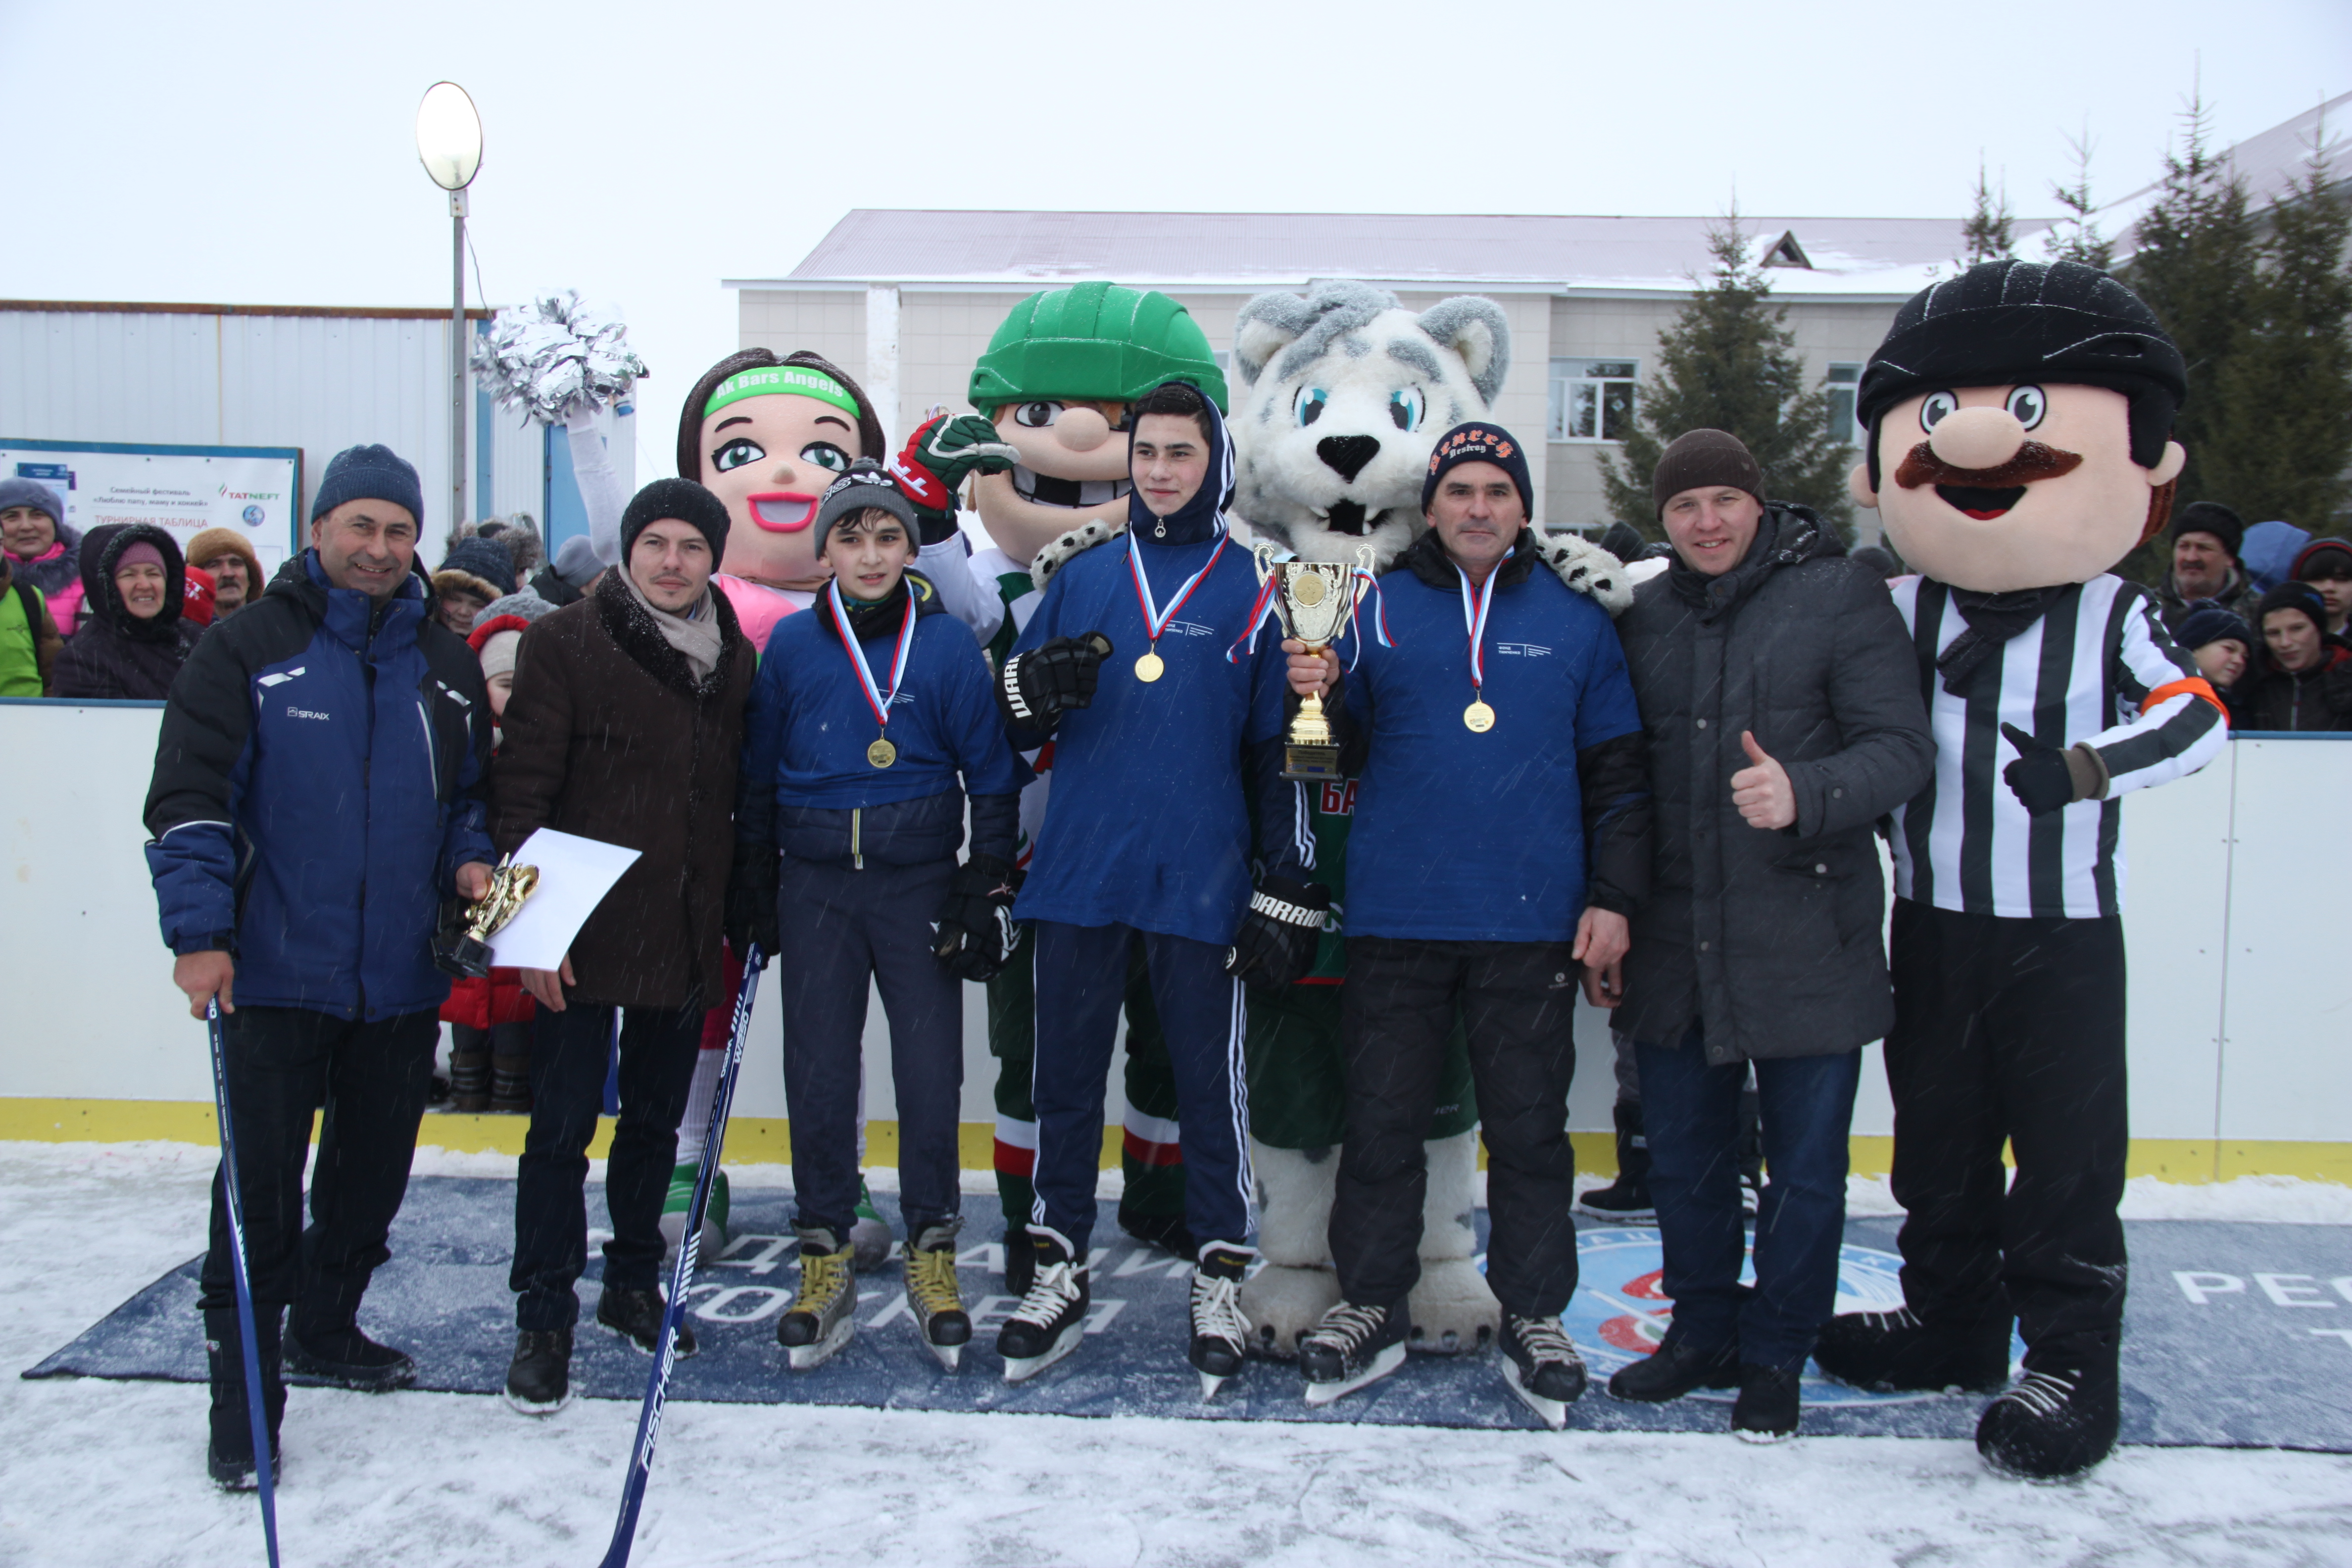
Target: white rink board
[(93, 1015)]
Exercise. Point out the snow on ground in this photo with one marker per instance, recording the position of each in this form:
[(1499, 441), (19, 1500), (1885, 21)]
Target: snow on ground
[(111, 1475)]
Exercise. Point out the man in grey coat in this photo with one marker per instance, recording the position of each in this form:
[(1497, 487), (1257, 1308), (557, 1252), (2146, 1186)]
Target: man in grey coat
[(1782, 703)]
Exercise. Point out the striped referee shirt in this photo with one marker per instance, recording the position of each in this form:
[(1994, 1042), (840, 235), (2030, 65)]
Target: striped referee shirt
[(2083, 673)]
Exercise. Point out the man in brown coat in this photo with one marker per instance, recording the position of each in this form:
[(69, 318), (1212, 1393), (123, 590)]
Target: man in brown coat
[(624, 726)]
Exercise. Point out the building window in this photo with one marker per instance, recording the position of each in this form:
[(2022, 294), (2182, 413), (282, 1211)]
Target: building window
[(1844, 380), (1592, 399)]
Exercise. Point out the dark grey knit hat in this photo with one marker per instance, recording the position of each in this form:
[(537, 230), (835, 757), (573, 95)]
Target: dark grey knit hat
[(1696, 458), (867, 484)]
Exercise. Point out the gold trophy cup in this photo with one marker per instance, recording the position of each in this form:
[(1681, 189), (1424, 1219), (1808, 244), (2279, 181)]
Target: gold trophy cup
[(1313, 599), (466, 952)]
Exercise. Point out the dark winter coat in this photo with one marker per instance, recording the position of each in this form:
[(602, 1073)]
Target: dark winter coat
[(608, 735), (1770, 938), (2238, 595), (2268, 698), (116, 655), (318, 783)]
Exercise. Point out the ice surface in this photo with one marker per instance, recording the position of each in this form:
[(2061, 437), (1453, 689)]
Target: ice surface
[(111, 1474)]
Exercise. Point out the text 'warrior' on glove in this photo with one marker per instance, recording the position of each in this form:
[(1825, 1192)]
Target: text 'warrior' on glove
[(1035, 688), (977, 935), (935, 462), (1275, 946)]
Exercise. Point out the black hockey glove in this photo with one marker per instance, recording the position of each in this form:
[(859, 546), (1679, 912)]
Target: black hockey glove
[(977, 935), (2040, 777), (1275, 946), (751, 900), (1034, 689)]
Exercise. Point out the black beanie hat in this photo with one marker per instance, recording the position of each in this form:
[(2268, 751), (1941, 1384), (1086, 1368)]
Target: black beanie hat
[(1478, 442), (865, 484), (2292, 595), (2209, 621), (1696, 458), (683, 499), (2004, 324), (2210, 517), (2323, 558)]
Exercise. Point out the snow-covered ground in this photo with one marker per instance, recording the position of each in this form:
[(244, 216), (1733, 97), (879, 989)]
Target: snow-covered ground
[(111, 1474)]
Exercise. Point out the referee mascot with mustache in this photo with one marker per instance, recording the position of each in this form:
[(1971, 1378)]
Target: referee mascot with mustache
[(2019, 420)]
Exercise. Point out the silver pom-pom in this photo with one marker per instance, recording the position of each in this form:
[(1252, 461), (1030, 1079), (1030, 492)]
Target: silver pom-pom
[(554, 357)]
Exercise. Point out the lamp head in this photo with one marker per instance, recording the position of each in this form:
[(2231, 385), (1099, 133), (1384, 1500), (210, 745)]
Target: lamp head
[(449, 136)]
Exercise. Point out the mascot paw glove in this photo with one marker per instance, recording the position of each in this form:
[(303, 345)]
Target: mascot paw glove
[(977, 935), (750, 909), (1035, 688), (1275, 946), (2040, 778), (937, 460)]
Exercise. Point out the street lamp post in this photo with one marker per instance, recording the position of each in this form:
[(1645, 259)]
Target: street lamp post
[(449, 145)]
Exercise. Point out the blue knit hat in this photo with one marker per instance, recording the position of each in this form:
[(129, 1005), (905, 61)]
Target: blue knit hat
[(34, 494), (368, 473), (2210, 622)]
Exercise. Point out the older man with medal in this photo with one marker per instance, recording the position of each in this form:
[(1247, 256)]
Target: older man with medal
[(1501, 838), (1140, 667), (870, 720)]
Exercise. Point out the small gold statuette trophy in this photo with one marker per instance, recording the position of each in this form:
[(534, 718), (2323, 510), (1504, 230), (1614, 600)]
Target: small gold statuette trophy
[(1313, 598), (466, 952)]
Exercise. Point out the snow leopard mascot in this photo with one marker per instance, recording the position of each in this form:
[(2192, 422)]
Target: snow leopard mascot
[(1344, 393)]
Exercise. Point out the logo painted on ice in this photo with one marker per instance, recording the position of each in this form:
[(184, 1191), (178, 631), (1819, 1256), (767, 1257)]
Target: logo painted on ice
[(1620, 1313)]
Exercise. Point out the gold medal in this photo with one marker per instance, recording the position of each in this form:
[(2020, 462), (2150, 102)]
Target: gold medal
[(882, 754), (1149, 668), (1479, 717)]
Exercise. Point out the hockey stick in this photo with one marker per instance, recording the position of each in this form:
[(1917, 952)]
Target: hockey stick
[(641, 1456), (253, 1402)]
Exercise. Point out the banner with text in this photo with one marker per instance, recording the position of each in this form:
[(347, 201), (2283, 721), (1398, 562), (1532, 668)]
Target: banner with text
[(257, 491)]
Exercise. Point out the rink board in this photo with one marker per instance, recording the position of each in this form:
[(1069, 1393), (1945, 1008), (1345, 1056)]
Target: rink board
[(2239, 1335)]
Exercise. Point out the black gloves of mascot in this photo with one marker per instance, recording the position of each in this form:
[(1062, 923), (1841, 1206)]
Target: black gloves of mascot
[(1034, 689), (2041, 778), (1275, 946), (977, 935)]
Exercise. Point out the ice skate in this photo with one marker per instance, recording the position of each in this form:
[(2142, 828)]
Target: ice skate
[(1220, 1331), (869, 1234), (1353, 1346), (538, 1378), (2051, 1426), (932, 1295), (1898, 1351), (824, 1314), (1052, 1317), (1541, 1366), (681, 1198)]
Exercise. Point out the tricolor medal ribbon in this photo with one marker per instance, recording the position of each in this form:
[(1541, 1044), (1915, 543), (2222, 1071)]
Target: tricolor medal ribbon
[(881, 753), (1475, 603), (1149, 668)]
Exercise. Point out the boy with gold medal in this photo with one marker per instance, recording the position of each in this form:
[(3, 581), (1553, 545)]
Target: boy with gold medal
[(868, 725)]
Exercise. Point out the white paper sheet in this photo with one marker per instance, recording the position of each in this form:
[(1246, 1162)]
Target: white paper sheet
[(574, 875)]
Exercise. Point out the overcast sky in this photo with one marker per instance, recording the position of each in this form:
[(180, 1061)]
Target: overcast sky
[(264, 153)]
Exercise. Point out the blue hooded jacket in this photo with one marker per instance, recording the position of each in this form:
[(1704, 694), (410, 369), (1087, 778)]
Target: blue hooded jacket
[(319, 779)]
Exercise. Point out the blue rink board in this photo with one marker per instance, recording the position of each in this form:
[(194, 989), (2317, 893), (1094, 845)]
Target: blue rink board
[(2238, 1335)]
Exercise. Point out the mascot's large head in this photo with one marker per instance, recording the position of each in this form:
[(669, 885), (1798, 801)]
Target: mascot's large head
[(766, 436), (1056, 381), (2021, 422), (1346, 393)]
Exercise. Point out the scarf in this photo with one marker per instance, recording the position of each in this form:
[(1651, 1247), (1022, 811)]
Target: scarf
[(1993, 619), (693, 634)]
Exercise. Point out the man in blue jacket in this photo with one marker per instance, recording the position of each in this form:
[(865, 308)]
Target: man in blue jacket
[(1501, 839), (317, 793)]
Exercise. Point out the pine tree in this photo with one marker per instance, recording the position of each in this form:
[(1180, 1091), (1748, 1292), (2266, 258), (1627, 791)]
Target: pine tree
[(2196, 267), (1989, 233), (2282, 432), (1729, 363), (2075, 237)]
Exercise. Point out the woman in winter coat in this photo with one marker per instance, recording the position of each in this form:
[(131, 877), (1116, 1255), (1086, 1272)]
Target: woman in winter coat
[(135, 585), (41, 549)]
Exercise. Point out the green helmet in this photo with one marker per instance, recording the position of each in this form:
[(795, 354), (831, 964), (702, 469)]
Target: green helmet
[(1097, 341)]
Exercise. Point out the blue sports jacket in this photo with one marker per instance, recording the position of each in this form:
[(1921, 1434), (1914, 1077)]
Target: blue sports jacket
[(319, 779)]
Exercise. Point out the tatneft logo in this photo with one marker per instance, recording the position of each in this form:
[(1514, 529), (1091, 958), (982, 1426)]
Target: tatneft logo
[(228, 494), (304, 714)]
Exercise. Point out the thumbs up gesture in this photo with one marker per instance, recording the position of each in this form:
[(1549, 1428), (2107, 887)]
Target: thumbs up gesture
[(1761, 790)]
